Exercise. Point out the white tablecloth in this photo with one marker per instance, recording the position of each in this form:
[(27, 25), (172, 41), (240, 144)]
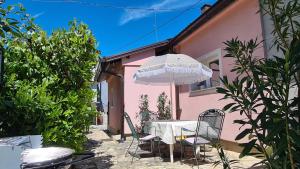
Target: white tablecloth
[(168, 130)]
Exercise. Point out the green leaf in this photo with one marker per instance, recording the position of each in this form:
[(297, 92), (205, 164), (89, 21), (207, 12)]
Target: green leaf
[(228, 106), (239, 121), (221, 90), (295, 137), (243, 134), (247, 148), (10, 8)]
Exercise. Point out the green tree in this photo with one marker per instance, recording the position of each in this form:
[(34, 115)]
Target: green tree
[(48, 85), (71, 58), (10, 25), (261, 91), (13, 21)]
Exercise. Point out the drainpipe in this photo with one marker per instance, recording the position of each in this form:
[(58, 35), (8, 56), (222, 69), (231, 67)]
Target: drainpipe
[(123, 138)]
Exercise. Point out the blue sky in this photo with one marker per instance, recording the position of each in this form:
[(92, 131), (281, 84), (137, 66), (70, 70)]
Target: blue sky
[(118, 25)]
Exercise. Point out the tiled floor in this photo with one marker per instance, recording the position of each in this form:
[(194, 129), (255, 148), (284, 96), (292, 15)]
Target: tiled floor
[(111, 154)]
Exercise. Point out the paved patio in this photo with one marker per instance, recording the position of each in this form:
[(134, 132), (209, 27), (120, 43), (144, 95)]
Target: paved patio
[(110, 154)]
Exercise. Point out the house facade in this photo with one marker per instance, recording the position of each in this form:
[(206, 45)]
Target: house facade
[(123, 93), (205, 43), (203, 40)]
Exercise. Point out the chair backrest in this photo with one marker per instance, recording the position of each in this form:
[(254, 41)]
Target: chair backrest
[(215, 119), (132, 129)]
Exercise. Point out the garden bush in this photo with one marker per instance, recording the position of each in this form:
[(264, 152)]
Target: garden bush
[(144, 113), (47, 84), (262, 90), (163, 107)]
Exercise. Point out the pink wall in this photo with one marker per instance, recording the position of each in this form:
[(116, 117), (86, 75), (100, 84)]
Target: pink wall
[(132, 91), (239, 20)]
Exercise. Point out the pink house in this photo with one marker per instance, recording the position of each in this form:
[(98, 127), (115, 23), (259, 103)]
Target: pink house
[(202, 39)]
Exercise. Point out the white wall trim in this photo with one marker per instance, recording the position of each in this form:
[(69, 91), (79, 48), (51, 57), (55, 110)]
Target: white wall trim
[(217, 53), (210, 56)]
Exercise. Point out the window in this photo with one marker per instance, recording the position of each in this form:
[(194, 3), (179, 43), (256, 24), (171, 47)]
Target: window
[(213, 62), (215, 67)]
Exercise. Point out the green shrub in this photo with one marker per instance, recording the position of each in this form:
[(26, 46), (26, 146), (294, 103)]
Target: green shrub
[(262, 93), (47, 86), (163, 107), (144, 113)]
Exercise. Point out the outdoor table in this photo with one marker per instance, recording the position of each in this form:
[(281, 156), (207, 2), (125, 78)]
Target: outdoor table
[(168, 130)]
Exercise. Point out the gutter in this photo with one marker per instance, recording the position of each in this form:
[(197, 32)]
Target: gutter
[(136, 51)]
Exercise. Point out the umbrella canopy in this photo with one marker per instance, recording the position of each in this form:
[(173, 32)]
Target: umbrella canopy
[(172, 68)]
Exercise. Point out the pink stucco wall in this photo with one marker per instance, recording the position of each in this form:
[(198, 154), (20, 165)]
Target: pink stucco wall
[(239, 20), (132, 91)]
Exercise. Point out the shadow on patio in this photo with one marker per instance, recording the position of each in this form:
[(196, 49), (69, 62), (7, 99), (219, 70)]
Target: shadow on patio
[(100, 160), (111, 154)]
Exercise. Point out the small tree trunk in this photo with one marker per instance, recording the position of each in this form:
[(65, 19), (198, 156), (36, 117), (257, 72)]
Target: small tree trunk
[(1, 67), (298, 99)]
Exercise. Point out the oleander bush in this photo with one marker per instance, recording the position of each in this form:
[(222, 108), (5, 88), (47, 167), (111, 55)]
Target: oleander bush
[(262, 90)]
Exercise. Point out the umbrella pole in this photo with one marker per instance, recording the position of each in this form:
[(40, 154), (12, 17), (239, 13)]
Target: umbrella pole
[(171, 104), (171, 95)]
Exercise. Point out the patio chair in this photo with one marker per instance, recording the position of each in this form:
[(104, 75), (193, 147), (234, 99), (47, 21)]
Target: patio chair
[(139, 139), (213, 118)]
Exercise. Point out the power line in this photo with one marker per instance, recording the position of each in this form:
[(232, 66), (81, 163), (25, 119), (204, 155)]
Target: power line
[(160, 26), (129, 8), (105, 5), (155, 26)]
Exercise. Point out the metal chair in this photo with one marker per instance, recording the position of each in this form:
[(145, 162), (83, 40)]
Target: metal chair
[(139, 139), (215, 119)]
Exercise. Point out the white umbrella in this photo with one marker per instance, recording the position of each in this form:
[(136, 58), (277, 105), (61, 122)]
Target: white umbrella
[(172, 69)]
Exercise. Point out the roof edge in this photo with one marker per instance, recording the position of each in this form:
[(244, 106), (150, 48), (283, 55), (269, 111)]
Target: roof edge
[(215, 9), (137, 50)]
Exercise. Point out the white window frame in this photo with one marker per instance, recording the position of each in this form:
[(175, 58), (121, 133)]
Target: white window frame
[(211, 56)]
